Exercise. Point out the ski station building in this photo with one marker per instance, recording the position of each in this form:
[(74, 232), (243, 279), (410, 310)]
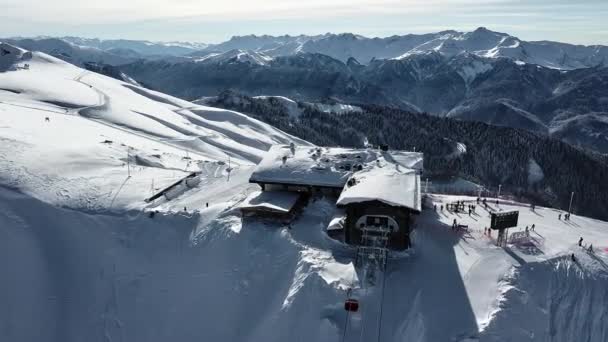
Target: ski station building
[(377, 191)]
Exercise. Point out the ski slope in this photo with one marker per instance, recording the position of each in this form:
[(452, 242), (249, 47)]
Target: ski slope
[(67, 134), (82, 260)]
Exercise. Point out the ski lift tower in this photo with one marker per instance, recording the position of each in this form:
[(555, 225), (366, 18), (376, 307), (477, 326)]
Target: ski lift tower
[(373, 249)]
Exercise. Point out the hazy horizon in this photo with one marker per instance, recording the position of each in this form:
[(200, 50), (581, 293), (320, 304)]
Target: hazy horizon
[(212, 22)]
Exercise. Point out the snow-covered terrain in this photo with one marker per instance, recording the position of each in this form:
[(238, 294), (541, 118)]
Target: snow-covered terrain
[(237, 55), (106, 121), (84, 258)]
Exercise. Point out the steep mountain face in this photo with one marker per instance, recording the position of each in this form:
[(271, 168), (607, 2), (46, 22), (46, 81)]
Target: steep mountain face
[(568, 104), (481, 42)]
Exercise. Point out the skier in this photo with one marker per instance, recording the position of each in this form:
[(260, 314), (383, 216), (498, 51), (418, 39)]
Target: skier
[(435, 207), (527, 231), (573, 258), (47, 119), (485, 230), (590, 248), (185, 209), (207, 205), (580, 241), (559, 217), (470, 211), (454, 225), (442, 207), (533, 227)]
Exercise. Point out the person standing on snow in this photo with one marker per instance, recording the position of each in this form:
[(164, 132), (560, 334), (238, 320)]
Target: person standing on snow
[(580, 241)]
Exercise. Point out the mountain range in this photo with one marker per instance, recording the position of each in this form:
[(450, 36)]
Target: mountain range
[(552, 88)]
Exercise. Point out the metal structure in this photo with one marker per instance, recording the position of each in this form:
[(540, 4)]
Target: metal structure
[(372, 257), (373, 249)]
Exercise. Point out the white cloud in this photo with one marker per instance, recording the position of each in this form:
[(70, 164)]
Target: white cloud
[(107, 11)]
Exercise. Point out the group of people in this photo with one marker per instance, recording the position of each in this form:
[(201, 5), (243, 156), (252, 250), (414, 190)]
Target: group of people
[(484, 201), (566, 216), (457, 207), (580, 244)]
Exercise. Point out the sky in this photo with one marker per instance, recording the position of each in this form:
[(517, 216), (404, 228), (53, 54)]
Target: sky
[(572, 21)]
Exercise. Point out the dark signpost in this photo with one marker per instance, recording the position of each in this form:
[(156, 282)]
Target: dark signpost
[(502, 221)]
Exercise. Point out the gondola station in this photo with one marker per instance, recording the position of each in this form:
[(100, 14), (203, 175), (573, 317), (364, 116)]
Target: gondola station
[(377, 191)]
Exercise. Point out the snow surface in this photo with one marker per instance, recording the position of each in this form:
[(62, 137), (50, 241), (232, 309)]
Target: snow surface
[(274, 200), (237, 55), (337, 108), (386, 182)]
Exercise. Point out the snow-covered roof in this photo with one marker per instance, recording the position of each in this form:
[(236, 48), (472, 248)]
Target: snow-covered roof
[(388, 183), (280, 201), (337, 220), (324, 166)]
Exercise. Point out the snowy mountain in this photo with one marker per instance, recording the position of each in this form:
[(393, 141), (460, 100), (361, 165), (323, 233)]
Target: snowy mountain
[(500, 91), (141, 47), (234, 56), (74, 54), (481, 42), (268, 45), (81, 151), (80, 51)]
